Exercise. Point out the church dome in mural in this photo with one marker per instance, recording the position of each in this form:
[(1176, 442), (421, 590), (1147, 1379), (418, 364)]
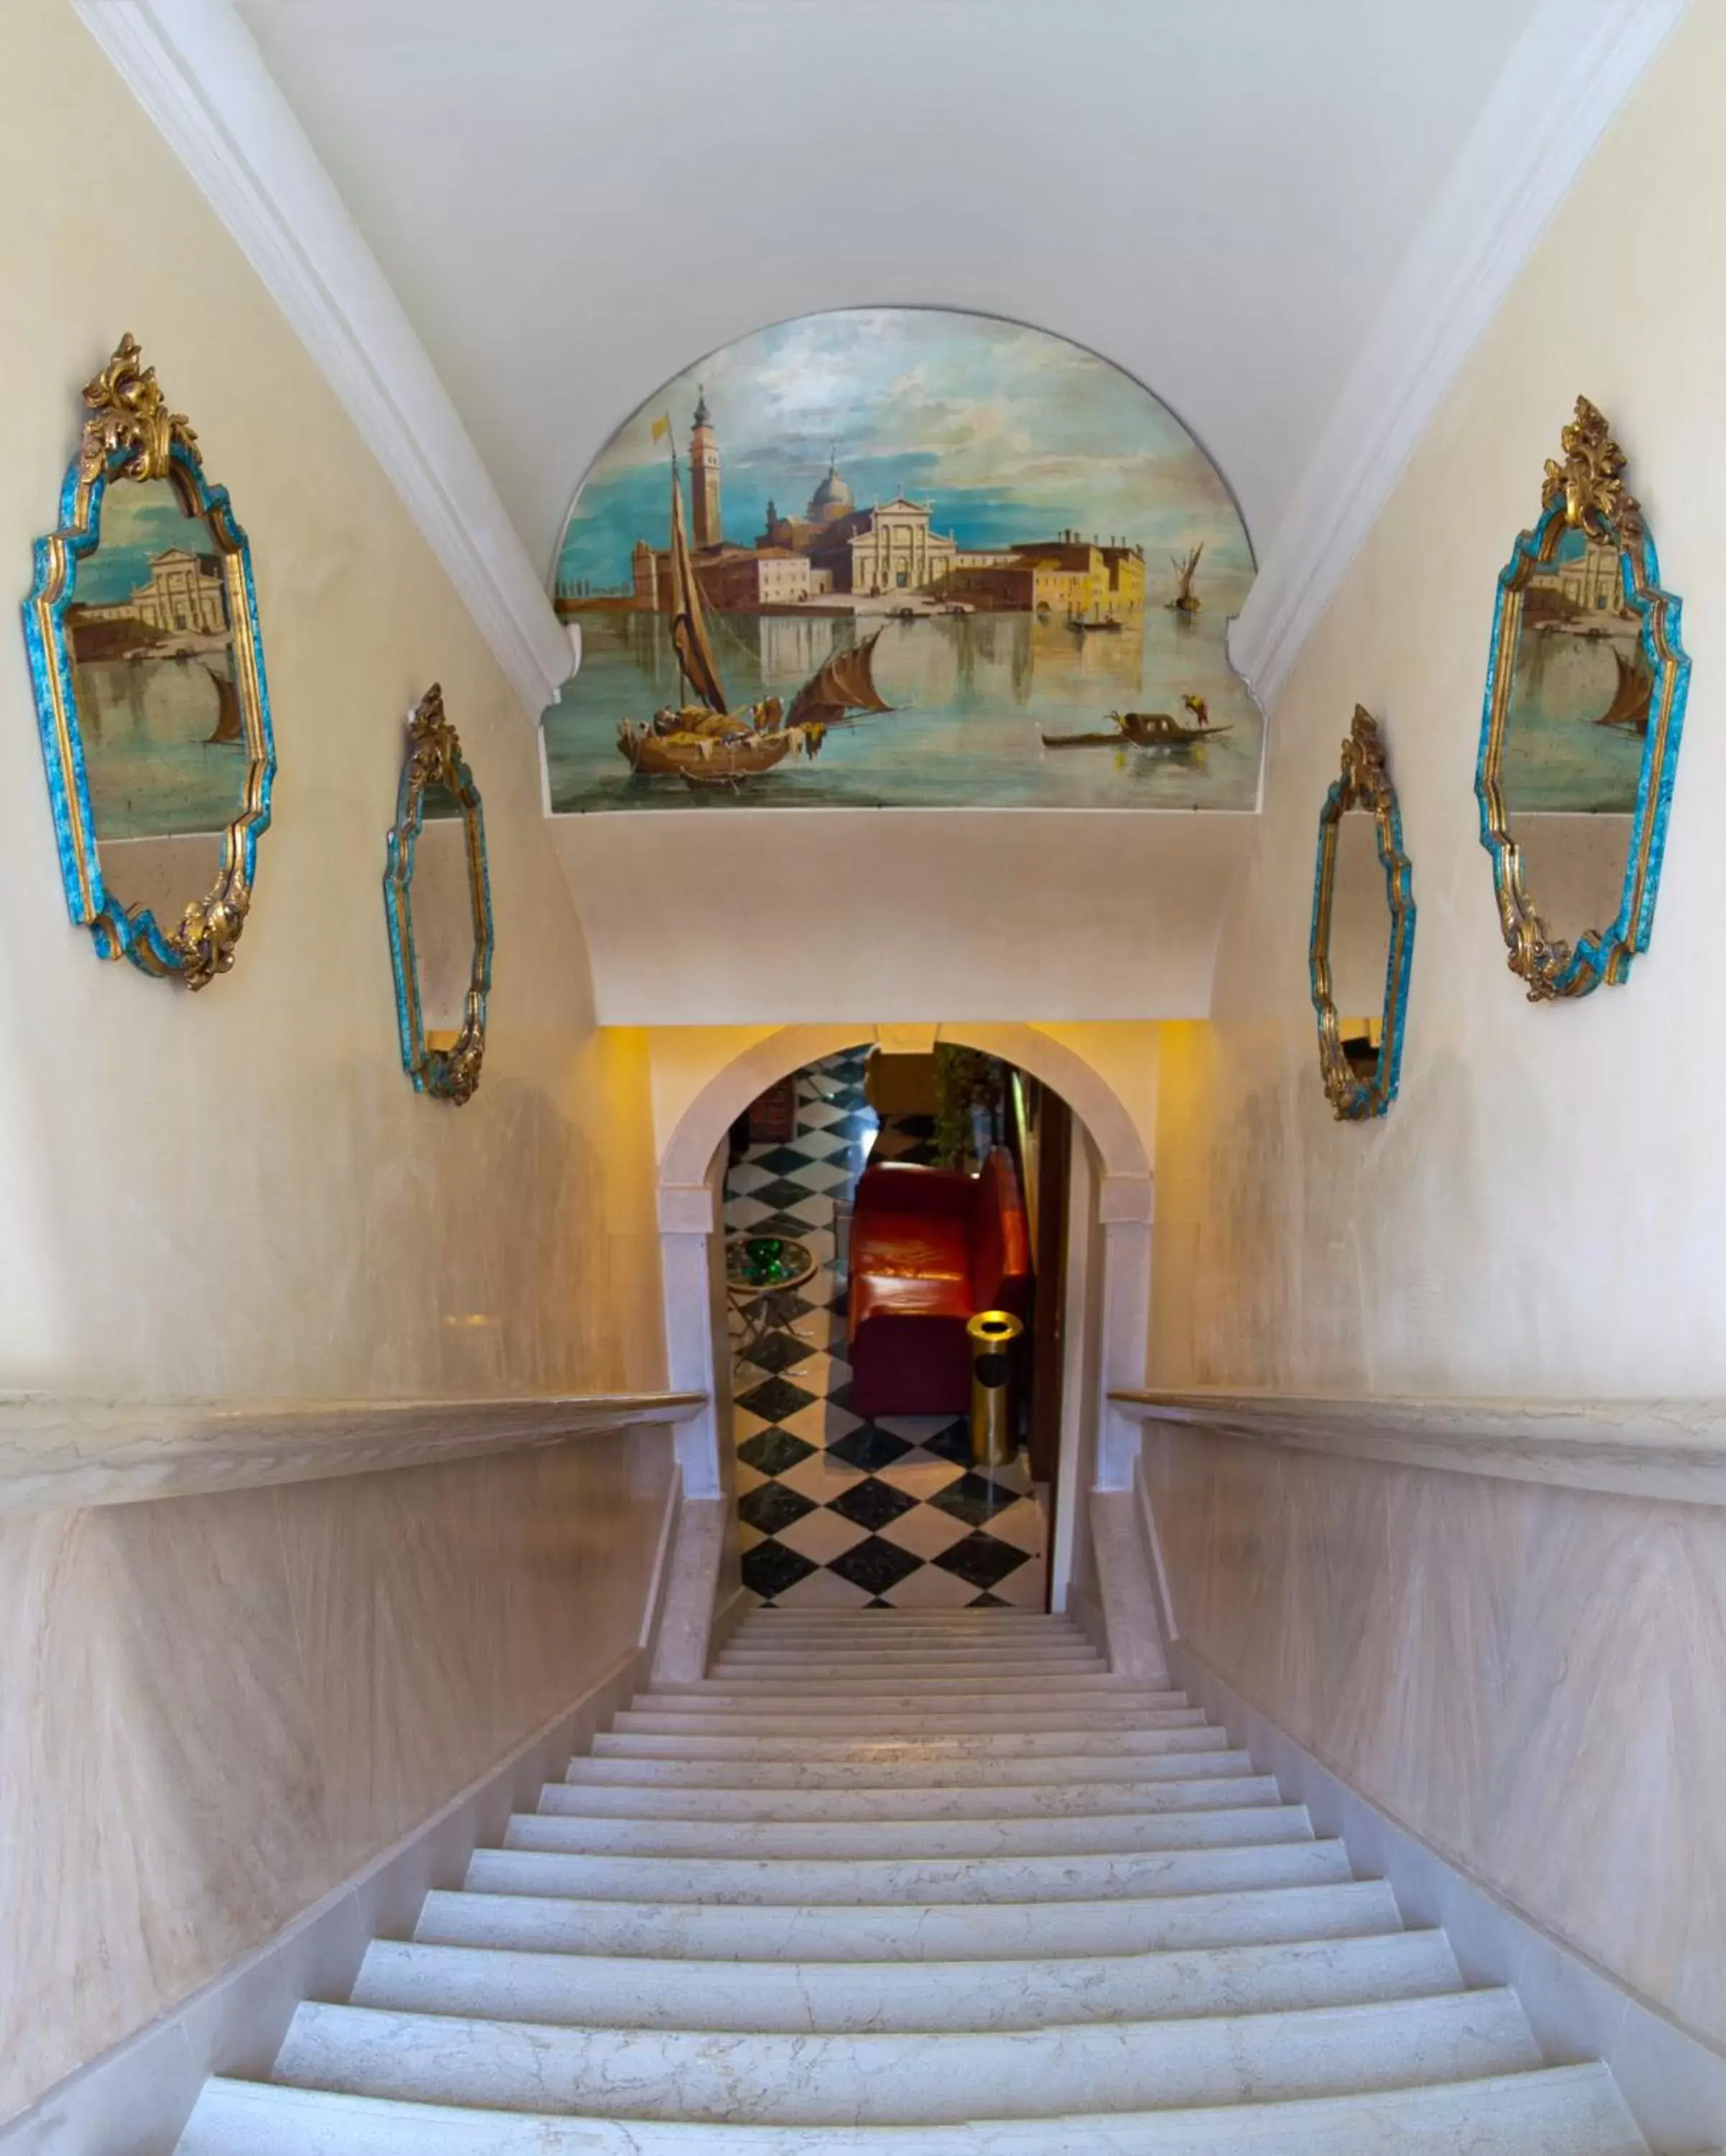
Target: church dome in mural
[(831, 499), (1016, 594)]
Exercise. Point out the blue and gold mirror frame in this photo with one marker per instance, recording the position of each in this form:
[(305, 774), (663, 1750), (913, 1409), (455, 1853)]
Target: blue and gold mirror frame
[(1585, 493), (447, 1069), (131, 436), (1363, 783)]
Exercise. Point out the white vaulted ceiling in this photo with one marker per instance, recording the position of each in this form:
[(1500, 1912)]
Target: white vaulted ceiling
[(574, 198)]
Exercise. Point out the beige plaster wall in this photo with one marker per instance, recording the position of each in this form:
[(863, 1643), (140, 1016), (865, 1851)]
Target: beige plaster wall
[(215, 1710), (239, 1194), (1543, 1210), (212, 1711), (1529, 1678)]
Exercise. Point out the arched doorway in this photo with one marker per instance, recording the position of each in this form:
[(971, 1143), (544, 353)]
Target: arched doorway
[(1108, 1276)]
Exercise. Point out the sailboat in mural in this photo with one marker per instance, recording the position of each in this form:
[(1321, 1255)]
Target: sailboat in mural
[(707, 744), (1186, 601)]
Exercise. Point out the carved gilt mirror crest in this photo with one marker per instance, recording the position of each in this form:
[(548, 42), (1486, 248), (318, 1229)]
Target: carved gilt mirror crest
[(1585, 708), (1363, 930), (437, 900), (141, 627)]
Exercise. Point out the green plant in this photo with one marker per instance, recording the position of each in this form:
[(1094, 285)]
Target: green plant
[(964, 1079)]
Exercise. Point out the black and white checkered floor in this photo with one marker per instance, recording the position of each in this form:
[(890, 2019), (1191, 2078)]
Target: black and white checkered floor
[(834, 1511)]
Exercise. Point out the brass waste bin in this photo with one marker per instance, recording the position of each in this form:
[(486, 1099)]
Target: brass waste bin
[(992, 1333)]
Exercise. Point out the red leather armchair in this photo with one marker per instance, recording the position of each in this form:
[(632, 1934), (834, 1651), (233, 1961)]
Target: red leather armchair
[(929, 1248)]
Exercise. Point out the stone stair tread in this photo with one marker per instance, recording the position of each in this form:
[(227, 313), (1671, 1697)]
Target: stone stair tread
[(938, 1885), (884, 1695), (867, 1841), (636, 1992), (808, 2079), (964, 1931), (912, 1771), (1557, 2111), (588, 1799), (766, 1879), (806, 1672), (1064, 1743), (1056, 1717)]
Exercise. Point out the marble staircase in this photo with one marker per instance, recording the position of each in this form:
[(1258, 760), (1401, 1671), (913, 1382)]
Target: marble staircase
[(914, 1884)]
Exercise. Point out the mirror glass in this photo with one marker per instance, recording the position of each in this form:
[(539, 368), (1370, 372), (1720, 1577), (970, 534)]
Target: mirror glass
[(1359, 942), (444, 926), (1575, 725), (160, 714)]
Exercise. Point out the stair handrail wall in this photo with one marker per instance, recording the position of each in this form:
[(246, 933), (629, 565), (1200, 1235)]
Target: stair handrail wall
[(62, 1452), (1488, 1629)]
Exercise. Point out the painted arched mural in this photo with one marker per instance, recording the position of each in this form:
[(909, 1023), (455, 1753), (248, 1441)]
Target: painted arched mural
[(902, 558)]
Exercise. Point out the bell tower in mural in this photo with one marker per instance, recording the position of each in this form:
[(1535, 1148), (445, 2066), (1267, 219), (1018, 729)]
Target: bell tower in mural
[(704, 477)]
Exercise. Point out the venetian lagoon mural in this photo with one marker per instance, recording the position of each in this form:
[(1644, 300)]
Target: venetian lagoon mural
[(902, 557)]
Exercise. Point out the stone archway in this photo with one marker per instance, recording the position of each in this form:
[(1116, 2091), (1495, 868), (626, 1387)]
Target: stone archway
[(689, 1215)]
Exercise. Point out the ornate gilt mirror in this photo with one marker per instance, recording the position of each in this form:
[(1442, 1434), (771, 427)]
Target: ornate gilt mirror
[(1579, 744), (1363, 930), (143, 630), (437, 900)]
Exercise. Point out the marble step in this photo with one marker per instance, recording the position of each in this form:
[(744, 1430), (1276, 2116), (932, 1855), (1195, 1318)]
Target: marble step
[(884, 1757), (905, 2078), (907, 1770), (1559, 2111), (853, 1621), (855, 1930), (1057, 1716), (630, 1993), (877, 1840), (883, 1696), (796, 1881), (833, 1669), (769, 1807)]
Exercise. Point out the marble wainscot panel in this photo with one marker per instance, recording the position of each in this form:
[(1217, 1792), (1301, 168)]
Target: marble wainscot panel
[(215, 1710), (1527, 1677)]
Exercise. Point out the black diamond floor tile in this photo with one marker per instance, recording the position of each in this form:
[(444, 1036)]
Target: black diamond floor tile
[(783, 1160), (973, 1498), (876, 1566), (770, 1568), (870, 1447), (855, 1126), (778, 1351), (872, 1503), (774, 1400), (771, 1451), (771, 1506), (988, 1602), (981, 1559), (952, 1443), (780, 1193), (785, 1223)]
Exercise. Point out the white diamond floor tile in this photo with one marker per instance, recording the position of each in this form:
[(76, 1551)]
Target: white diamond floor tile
[(822, 1535), (823, 1590), (926, 1530)]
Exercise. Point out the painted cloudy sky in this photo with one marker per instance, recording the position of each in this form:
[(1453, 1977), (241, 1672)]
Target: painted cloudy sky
[(1013, 434)]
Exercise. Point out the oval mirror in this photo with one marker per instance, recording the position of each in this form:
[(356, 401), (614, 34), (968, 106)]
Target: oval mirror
[(1585, 705), (437, 900), (1363, 930), (142, 630)]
